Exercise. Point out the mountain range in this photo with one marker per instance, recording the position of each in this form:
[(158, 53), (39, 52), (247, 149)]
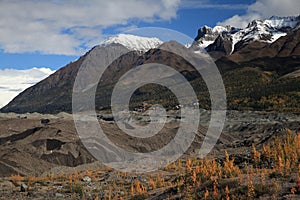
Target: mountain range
[(230, 40), (260, 66)]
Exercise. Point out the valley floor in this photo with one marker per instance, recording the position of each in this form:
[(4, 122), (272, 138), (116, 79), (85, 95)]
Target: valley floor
[(257, 157)]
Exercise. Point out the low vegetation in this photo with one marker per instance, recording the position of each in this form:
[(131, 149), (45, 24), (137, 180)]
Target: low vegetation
[(273, 172)]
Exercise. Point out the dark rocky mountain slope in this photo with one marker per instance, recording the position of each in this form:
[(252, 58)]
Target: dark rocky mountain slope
[(258, 69)]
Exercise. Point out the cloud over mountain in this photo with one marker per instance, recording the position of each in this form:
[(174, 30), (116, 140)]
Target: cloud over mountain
[(13, 81), (263, 9), (71, 27)]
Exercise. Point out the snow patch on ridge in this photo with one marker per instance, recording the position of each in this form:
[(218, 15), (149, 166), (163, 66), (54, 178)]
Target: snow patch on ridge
[(133, 42), (258, 30)]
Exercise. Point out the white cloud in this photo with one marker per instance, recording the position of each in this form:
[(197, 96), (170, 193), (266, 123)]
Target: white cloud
[(13, 81), (71, 27), (263, 9), (206, 4)]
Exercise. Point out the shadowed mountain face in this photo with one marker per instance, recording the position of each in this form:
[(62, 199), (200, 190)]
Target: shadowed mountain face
[(283, 47), (257, 74), (50, 95), (54, 94)]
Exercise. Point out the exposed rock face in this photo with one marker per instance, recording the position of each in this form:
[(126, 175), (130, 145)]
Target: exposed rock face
[(206, 33), (222, 46), (207, 36)]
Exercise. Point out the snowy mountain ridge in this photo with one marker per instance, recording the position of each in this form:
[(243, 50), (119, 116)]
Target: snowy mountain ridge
[(133, 42), (258, 30)]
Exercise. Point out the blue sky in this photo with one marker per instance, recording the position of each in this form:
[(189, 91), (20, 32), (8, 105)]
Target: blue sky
[(188, 17), (52, 33)]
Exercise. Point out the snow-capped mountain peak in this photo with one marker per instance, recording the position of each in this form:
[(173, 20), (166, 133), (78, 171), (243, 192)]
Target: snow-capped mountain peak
[(266, 30), (220, 29), (133, 42), (207, 35), (258, 30)]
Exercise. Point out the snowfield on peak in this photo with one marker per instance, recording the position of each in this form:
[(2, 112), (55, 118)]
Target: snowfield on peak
[(219, 29), (133, 42)]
